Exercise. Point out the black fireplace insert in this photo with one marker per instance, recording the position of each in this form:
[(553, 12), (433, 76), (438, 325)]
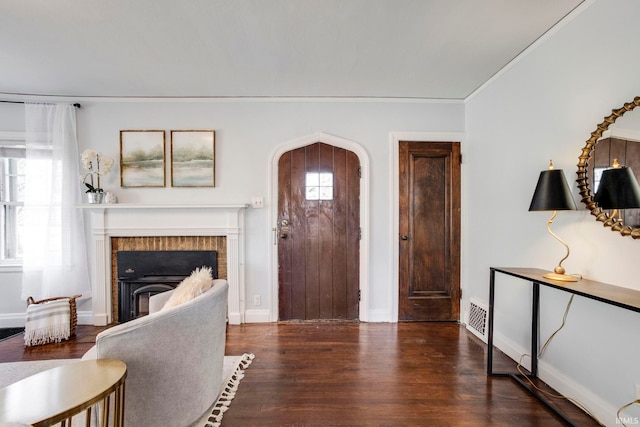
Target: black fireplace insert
[(142, 274)]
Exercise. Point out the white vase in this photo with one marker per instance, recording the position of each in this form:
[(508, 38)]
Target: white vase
[(110, 198), (95, 197)]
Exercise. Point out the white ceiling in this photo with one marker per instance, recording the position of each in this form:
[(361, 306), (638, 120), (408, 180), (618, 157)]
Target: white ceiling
[(440, 49)]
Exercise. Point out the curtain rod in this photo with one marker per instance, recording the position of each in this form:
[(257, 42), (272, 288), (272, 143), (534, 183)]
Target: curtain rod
[(22, 102)]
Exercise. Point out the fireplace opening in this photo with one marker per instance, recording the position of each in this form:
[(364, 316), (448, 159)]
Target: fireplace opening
[(141, 297), (142, 274)]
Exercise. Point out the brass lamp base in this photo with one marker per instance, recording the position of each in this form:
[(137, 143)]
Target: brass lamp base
[(559, 271), (560, 277)]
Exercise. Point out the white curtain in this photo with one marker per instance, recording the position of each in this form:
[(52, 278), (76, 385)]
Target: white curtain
[(55, 256)]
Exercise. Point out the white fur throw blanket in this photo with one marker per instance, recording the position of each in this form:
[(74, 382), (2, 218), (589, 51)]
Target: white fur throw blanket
[(48, 322)]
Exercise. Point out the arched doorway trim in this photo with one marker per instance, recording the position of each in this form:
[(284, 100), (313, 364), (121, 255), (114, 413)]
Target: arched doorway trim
[(364, 212)]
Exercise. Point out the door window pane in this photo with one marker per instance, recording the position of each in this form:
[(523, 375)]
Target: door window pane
[(319, 186), (313, 193)]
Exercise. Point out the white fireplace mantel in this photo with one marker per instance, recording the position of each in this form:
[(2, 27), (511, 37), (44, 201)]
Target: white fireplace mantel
[(132, 220)]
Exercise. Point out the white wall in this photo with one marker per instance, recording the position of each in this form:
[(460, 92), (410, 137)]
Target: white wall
[(247, 133), (11, 117), (544, 107)]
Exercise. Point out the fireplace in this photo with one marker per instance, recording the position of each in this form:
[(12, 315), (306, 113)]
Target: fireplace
[(142, 274), (139, 221)]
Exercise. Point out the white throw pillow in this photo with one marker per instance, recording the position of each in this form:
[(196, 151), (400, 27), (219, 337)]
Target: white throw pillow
[(197, 283)]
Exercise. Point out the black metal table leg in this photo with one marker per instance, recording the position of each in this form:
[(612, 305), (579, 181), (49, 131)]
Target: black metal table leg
[(535, 327), (492, 284), (519, 378)]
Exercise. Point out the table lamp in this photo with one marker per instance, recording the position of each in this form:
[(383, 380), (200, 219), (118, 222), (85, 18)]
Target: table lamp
[(552, 194), (618, 189)]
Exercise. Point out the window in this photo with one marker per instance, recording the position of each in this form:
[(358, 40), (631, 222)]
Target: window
[(319, 186), (12, 182)]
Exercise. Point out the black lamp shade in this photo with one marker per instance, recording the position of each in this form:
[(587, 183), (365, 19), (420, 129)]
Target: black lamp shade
[(552, 193), (618, 189)]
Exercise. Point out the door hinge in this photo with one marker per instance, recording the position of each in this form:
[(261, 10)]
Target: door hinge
[(460, 158), (359, 171), (359, 295), (360, 233)]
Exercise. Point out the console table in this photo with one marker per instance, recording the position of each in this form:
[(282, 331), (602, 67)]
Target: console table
[(56, 395), (609, 294)]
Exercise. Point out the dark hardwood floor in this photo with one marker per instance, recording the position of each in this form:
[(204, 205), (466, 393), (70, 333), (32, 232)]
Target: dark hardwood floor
[(14, 350), (358, 374)]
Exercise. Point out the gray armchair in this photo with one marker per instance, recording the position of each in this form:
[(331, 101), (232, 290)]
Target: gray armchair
[(174, 358)]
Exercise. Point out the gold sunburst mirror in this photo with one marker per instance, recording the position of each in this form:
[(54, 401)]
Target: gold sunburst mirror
[(623, 144)]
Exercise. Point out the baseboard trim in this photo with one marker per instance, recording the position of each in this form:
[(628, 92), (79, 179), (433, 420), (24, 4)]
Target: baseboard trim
[(87, 318), (12, 320), (234, 319), (257, 316), (567, 387), (559, 381), (511, 349)]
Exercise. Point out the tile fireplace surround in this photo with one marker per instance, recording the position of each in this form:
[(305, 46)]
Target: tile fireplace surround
[(137, 220)]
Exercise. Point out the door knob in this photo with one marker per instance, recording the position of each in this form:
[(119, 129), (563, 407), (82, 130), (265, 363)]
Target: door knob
[(404, 237), (284, 229)]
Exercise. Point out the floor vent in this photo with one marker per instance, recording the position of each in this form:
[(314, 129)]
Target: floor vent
[(477, 321)]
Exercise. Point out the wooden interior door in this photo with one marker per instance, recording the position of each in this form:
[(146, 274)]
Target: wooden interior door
[(429, 238), (318, 233)]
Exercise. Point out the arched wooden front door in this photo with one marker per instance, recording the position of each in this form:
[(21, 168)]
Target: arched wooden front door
[(318, 233)]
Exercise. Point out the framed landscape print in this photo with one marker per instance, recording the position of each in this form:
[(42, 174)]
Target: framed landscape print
[(142, 158), (193, 158)]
